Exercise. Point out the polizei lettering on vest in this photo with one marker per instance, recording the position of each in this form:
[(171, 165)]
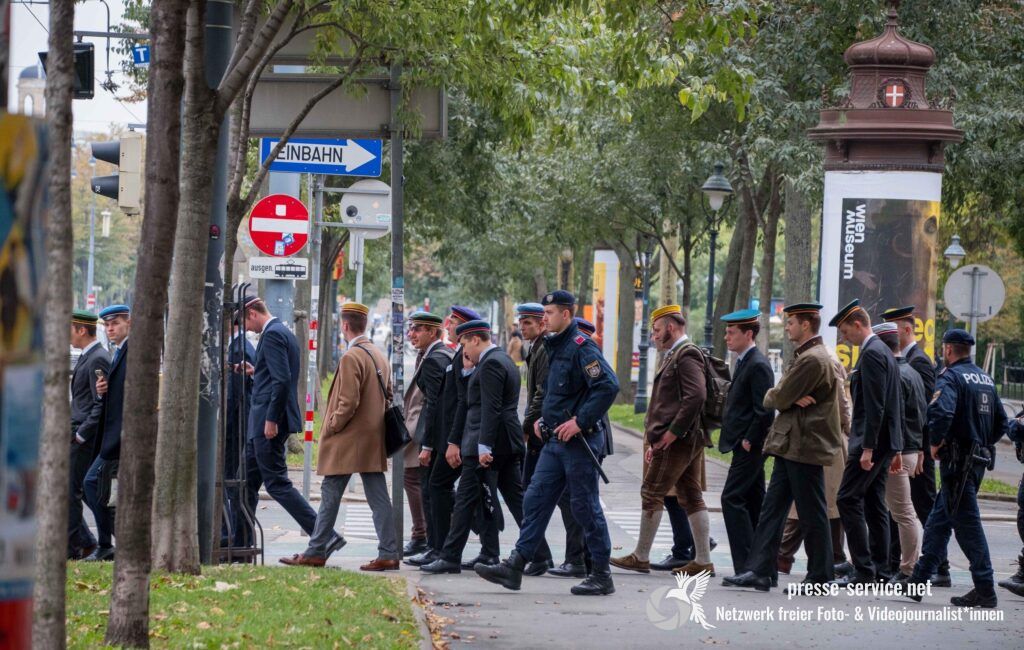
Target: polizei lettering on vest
[(853, 235)]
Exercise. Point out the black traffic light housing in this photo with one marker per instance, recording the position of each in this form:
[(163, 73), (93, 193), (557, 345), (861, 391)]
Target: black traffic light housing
[(125, 185), (85, 70)]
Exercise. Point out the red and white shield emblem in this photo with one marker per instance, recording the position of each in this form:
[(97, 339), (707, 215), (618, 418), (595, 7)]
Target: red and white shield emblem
[(894, 94)]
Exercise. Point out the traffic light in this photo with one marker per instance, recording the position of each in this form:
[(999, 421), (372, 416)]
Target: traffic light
[(85, 73), (124, 186)]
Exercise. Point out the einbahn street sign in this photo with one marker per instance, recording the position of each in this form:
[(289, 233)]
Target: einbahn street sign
[(335, 157)]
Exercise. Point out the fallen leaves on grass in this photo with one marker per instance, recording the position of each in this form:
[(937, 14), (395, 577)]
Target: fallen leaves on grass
[(223, 586)]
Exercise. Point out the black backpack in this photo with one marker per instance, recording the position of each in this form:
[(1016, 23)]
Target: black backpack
[(717, 380)]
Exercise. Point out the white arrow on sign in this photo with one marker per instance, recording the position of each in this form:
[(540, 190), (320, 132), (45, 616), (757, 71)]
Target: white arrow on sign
[(353, 156)]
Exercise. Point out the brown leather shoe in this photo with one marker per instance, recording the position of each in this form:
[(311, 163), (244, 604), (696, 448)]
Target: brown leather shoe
[(693, 567), (631, 563), (303, 560), (380, 564)]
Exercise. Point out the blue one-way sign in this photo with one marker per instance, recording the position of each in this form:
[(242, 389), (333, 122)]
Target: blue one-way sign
[(140, 56), (331, 157)]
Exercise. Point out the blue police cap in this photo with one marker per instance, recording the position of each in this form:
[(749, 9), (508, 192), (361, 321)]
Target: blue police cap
[(958, 337), (742, 317), (559, 297), (530, 309), (465, 314), (585, 326), (114, 310)]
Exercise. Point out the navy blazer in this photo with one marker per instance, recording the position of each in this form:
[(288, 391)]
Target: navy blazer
[(86, 407), (275, 382), (113, 407), (455, 386), (877, 400), (922, 363), (239, 381), (746, 417), (492, 406)]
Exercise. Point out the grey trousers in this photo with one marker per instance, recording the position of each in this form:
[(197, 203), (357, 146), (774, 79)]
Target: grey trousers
[(331, 491)]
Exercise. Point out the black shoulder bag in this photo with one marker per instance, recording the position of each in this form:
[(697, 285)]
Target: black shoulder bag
[(396, 434)]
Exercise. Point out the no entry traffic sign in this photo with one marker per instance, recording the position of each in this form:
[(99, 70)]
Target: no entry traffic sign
[(279, 225)]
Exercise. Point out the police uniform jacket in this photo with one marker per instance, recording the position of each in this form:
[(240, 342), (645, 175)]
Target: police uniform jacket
[(811, 435), (877, 400), (86, 407), (965, 407), (352, 431), (113, 406), (677, 395), (746, 417), (275, 382), (580, 383), (492, 406)]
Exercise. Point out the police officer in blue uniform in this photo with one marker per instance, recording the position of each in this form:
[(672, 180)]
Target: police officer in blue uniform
[(1015, 430), (965, 420), (580, 388)]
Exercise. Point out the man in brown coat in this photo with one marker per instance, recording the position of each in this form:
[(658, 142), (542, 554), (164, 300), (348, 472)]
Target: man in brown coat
[(352, 441), (677, 437), (805, 437)]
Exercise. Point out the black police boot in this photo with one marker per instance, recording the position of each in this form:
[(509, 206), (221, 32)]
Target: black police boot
[(913, 588), (598, 583), (973, 599), (507, 573), (1015, 583), (942, 577), (538, 567)]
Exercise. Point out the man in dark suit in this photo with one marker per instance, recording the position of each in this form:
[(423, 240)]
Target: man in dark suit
[(275, 415), (744, 427), (117, 323), (445, 467), (424, 397), (923, 488), (876, 438), (491, 448), (241, 354), (86, 410)]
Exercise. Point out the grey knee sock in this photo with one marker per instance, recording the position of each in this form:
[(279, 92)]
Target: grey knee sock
[(701, 527), (649, 521)]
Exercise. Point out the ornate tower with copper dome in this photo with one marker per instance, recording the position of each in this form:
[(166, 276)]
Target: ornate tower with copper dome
[(884, 157)]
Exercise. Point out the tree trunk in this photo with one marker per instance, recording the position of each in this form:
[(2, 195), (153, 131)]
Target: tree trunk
[(627, 317), (667, 294), (685, 300), (745, 272), (727, 288), (48, 629), (128, 624), (175, 509), (584, 271), (797, 280), (540, 281), (771, 231)]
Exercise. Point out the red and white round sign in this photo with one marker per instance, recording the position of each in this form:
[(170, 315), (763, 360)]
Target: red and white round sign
[(279, 225)]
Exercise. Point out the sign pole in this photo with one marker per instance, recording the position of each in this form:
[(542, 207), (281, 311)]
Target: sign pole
[(976, 275), (397, 289), (315, 216)]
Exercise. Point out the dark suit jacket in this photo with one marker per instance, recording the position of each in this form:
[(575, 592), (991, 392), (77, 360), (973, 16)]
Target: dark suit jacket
[(492, 406), (239, 382), (275, 382), (86, 407), (877, 400), (922, 363), (455, 386), (430, 381), (746, 417), (113, 407)]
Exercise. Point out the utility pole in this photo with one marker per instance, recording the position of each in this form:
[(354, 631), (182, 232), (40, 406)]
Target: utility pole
[(218, 45), (316, 216), (91, 264), (640, 403), (397, 289)]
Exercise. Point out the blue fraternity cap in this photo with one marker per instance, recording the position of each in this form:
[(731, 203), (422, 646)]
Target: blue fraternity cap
[(472, 327), (958, 337), (742, 317), (113, 311), (530, 310), (465, 314)]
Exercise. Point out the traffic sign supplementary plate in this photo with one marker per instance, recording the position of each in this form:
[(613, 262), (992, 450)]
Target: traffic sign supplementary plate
[(279, 225), (991, 292), (275, 268), (330, 157), (140, 56)]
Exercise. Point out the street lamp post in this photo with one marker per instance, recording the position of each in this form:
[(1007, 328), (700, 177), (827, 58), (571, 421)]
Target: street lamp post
[(640, 404), (718, 192), (955, 254), (92, 242)]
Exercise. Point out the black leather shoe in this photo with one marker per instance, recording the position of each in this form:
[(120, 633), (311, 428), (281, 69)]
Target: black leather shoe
[(670, 562), (441, 566), (426, 557), (507, 573), (538, 568), (101, 554), (942, 580), (713, 543), (855, 579), (775, 581), (568, 570), (598, 583), (336, 545), (843, 569), (479, 559), (415, 547), (973, 599), (748, 579), (1015, 583)]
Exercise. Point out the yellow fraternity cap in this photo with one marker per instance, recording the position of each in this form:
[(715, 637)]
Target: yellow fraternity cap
[(355, 308), (675, 311)]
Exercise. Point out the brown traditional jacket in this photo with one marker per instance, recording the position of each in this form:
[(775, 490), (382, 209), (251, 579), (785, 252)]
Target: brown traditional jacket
[(677, 396)]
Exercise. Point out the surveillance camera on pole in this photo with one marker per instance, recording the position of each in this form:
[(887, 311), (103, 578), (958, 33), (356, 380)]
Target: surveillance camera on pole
[(126, 185)]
